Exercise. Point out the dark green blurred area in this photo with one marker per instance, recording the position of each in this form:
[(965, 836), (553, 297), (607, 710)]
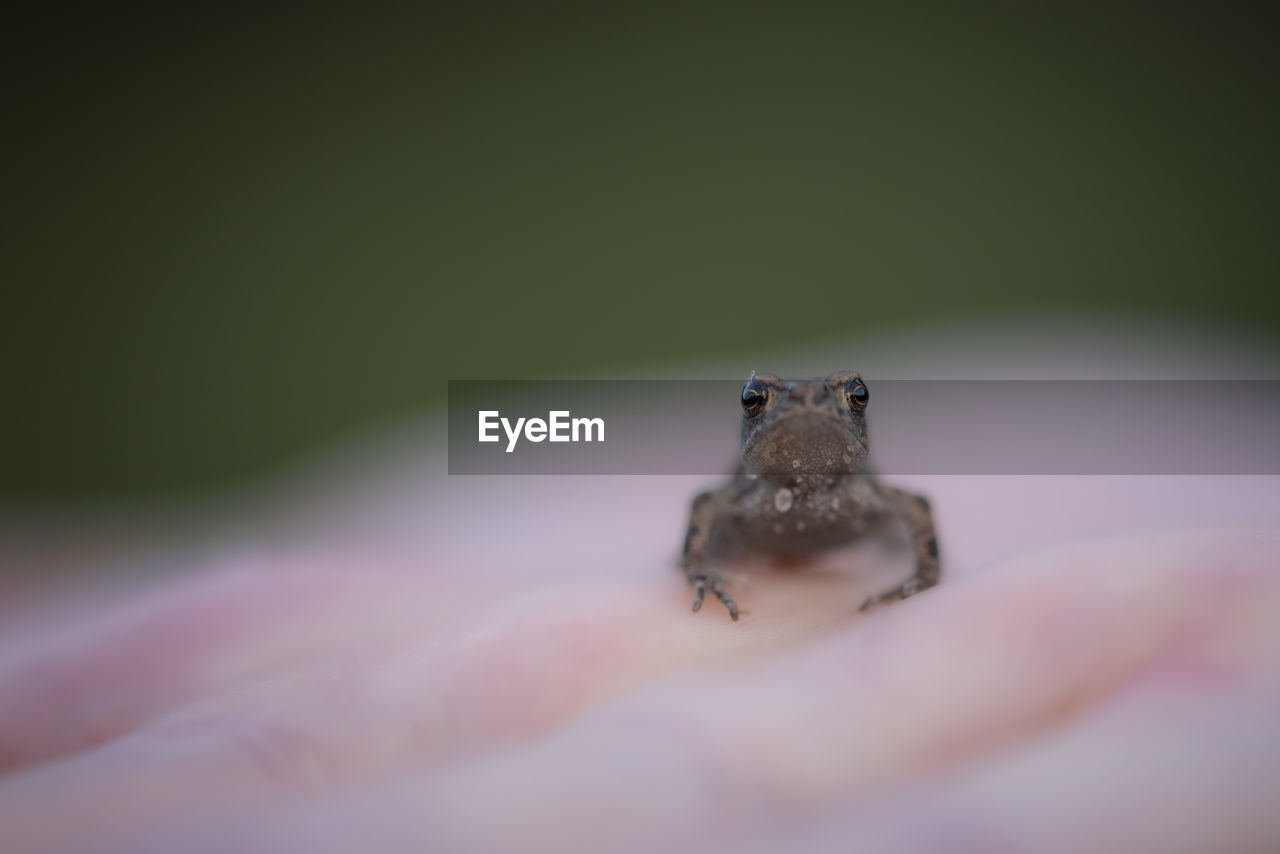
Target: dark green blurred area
[(234, 238)]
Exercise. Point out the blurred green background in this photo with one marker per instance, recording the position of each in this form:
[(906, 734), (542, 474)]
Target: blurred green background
[(234, 237)]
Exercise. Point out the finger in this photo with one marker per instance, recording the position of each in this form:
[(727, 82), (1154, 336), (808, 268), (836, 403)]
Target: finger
[(75, 684), (412, 700), (1167, 767)]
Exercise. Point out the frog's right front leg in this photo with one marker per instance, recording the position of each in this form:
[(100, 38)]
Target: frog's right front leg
[(702, 520)]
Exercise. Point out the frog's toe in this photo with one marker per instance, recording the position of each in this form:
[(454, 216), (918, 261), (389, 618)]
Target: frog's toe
[(699, 591), (910, 587), (726, 599), (700, 585)]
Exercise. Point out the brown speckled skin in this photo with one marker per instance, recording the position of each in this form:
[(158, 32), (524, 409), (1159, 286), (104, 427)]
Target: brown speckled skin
[(802, 486)]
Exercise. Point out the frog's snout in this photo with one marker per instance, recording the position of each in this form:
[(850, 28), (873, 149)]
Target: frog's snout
[(808, 443)]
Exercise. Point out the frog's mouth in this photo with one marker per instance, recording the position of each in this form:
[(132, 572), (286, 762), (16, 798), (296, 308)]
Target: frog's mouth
[(805, 443)]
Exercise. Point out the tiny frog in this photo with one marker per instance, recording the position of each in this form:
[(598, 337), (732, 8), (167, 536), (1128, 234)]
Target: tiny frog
[(802, 486)]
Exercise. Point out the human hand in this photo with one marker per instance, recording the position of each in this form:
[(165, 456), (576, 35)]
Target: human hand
[(1119, 693), (489, 664)]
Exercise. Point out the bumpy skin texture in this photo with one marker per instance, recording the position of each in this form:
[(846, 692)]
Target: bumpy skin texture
[(802, 486)]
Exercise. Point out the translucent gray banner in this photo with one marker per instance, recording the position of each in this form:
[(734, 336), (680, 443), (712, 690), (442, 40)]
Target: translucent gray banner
[(916, 426)]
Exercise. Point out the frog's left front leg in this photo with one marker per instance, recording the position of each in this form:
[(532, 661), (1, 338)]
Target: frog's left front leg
[(914, 509), (702, 519)]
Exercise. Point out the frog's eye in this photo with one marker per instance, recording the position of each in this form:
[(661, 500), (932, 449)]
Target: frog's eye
[(754, 395), (856, 392)]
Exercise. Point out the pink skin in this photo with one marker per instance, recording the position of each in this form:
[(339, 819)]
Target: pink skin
[(1099, 670)]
